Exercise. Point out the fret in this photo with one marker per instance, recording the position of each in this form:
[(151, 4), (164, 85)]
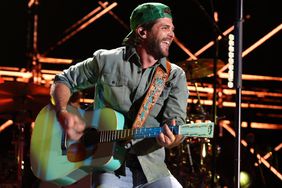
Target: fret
[(101, 136), (109, 135), (118, 134)]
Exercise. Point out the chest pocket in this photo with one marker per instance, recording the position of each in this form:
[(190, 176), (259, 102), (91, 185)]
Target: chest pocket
[(113, 90), (114, 81)]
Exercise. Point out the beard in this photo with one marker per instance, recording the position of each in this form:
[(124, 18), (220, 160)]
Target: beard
[(157, 49)]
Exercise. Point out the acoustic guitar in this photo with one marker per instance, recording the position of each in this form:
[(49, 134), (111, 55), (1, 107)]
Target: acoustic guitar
[(56, 159)]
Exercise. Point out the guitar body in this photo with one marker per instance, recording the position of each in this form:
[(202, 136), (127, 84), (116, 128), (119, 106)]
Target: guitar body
[(48, 162)]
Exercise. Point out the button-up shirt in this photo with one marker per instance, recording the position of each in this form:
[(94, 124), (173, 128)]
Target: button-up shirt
[(121, 84)]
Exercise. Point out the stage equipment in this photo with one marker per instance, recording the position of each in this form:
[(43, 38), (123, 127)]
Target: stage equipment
[(199, 68), (21, 97)]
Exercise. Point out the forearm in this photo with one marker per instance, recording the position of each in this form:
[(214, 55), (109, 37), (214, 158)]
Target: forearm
[(60, 94)]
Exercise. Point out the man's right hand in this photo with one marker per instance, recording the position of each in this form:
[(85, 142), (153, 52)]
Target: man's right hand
[(72, 124)]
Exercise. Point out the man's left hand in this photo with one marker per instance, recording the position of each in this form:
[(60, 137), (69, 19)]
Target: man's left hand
[(167, 138)]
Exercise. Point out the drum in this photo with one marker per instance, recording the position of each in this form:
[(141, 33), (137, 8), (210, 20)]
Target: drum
[(191, 161)]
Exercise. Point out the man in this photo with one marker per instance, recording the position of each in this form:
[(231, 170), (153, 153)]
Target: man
[(121, 78)]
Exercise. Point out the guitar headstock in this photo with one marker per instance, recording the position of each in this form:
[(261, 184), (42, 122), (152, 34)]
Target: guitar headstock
[(200, 129)]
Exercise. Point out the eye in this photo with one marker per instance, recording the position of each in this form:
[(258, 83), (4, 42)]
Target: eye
[(165, 27)]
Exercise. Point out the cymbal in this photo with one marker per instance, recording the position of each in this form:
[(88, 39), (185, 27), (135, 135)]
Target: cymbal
[(19, 96), (199, 68)]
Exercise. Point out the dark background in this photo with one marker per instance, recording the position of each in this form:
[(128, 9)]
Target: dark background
[(194, 27)]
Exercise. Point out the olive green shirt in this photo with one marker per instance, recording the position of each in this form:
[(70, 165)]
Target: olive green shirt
[(121, 84)]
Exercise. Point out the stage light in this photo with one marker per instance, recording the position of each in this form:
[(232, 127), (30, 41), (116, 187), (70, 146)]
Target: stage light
[(245, 179), (231, 50)]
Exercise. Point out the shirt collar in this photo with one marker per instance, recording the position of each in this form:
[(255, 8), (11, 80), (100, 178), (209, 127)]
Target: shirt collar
[(130, 52)]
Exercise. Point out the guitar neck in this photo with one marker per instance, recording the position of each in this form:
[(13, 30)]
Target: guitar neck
[(190, 130), (127, 134)]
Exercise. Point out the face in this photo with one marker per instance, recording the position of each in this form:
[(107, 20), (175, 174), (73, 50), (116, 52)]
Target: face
[(159, 38)]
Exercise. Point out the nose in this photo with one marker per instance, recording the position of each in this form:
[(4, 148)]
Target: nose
[(171, 33)]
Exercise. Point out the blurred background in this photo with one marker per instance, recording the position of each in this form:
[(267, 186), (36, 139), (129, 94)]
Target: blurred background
[(40, 38)]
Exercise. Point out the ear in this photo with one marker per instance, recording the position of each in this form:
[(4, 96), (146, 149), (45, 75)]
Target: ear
[(142, 32)]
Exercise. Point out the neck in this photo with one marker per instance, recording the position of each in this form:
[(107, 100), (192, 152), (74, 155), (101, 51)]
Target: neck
[(147, 60)]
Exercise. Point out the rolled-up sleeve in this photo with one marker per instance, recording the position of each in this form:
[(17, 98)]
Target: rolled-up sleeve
[(79, 76)]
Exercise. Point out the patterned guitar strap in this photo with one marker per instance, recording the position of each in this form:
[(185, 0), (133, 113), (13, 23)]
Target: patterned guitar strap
[(152, 95)]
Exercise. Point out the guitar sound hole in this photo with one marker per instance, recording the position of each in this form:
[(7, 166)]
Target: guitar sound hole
[(90, 137)]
